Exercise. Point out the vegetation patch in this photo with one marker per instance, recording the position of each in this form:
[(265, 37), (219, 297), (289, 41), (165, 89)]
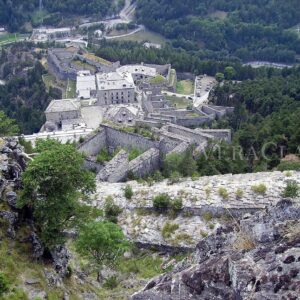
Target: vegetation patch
[(185, 87), (169, 229), (291, 190), (259, 188)]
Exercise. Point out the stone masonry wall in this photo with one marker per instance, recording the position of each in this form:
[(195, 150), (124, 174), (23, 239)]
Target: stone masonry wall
[(146, 163), (93, 144), (117, 138)]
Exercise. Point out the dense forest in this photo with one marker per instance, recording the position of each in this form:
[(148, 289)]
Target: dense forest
[(23, 97), (266, 117), (14, 13), (181, 60), (249, 30)]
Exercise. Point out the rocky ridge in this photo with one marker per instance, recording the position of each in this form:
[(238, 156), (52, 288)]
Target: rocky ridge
[(257, 259)]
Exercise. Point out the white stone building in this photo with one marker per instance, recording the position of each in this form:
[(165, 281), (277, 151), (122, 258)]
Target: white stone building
[(114, 88), (123, 115), (65, 109), (85, 85), (138, 72)]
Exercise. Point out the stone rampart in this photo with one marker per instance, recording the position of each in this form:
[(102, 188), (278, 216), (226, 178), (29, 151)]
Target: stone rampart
[(146, 163), (94, 143), (116, 138)]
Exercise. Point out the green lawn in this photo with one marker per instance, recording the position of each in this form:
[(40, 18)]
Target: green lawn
[(185, 87), (71, 89), (144, 35), (179, 102), (10, 38)]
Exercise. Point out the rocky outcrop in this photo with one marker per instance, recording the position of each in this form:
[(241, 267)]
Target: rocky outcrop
[(259, 258)]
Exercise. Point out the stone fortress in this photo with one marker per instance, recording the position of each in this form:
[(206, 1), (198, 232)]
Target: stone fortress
[(113, 101)]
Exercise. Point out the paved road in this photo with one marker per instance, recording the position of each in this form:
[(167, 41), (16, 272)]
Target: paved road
[(140, 28), (198, 101)]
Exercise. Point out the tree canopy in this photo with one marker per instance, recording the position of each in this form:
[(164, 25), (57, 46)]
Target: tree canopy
[(53, 183)]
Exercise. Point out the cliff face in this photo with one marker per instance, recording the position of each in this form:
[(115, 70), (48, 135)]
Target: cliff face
[(259, 258)]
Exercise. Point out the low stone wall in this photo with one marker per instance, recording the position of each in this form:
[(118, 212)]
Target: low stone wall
[(116, 169), (94, 143), (92, 165), (193, 122), (220, 134), (116, 138), (146, 163)]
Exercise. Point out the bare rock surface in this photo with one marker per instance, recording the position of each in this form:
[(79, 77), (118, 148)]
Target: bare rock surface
[(261, 261)]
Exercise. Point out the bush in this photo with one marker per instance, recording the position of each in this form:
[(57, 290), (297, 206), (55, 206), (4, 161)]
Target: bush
[(103, 156), (239, 193), (161, 202), (3, 284), (223, 193), (168, 230), (176, 205), (259, 188), (111, 210), (111, 283), (207, 216), (128, 193), (291, 190), (157, 176), (174, 177), (288, 165)]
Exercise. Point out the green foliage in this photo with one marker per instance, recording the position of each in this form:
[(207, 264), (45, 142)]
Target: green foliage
[(219, 77), (229, 73), (8, 126), (128, 193), (52, 186), (134, 153), (223, 193), (291, 190), (168, 230), (111, 283), (111, 210), (103, 156), (259, 188), (239, 193), (288, 165), (102, 243), (207, 216), (175, 177), (250, 30), (23, 97), (157, 176), (161, 202), (27, 145), (4, 285), (176, 205)]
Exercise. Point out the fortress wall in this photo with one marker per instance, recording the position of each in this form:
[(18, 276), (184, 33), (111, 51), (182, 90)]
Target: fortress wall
[(94, 143), (117, 138), (146, 163)]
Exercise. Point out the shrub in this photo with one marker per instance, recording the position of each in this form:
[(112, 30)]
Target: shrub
[(239, 193), (259, 188), (176, 205), (169, 229), (111, 282), (111, 210), (134, 153), (288, 165), (157, 176), (291, 190), (103, 156), (3, 284), (223, 193), (207, 216), (174, 177), (128, 193), (161, 202)]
